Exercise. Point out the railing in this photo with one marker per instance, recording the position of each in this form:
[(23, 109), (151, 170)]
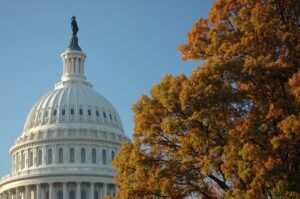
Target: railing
[(59, 170)]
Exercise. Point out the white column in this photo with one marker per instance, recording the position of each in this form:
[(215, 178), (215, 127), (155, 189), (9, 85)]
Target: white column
[(26, 192), (13, 161), (54, 148), (78, 190), (36, 154), (38, 191), (51, 196), (105, 189), (65, 191), (17, 193), (44, 154), (92, 190), (64, 68)]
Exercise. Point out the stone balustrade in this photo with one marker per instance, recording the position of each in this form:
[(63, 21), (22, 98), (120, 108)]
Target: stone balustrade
[(60, 190)]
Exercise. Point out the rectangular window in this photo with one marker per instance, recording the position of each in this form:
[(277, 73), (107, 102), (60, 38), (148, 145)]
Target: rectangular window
[(94, 155), (82, 155), (104, 156), (49, 156), (60, 155), (40, 156), (72, 155), (30, 158)]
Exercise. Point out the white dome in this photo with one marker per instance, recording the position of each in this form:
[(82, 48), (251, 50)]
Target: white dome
[(69, 141), (73, 105)]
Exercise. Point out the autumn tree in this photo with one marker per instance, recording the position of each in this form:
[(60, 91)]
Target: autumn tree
[(231, 129)]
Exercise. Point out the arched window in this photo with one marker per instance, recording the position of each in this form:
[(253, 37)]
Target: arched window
[(72, 155), (72, 194), (110, 116), (97, 113), (40, 156), (54, 112), (112, 156), (63, 111), (89, 112), (60, 155), (104, 114), (46, 114), (49, 156), (60, 194), (94, 155), (104, 156), (80, 111), (72, 111), (83, 194), (82, 155)]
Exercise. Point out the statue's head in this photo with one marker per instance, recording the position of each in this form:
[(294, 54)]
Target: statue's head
[(73, 18)]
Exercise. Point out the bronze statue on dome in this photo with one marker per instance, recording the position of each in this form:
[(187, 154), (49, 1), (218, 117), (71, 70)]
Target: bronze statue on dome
[(74, 26), (74, 40)]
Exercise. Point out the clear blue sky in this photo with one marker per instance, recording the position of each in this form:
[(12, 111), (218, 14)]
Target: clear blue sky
[(130, 46)]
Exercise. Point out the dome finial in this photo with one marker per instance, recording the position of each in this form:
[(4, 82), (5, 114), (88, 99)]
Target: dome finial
[(74, 26), (74, 40)]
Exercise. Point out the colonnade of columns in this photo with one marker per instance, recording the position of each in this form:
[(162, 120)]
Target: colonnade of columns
[(61, 190)]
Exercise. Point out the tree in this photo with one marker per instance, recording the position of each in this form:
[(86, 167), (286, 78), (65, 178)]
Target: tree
[(231, 129)]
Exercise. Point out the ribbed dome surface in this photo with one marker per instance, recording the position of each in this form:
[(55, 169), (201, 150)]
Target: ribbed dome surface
[(72, 105)]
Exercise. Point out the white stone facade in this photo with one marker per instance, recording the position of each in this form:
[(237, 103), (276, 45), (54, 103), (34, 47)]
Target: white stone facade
[(69, 141)]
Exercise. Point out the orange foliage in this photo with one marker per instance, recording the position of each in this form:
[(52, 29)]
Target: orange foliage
[(231, 129)]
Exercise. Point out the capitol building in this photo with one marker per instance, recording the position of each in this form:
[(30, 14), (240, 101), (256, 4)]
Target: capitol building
[(69, 140)]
